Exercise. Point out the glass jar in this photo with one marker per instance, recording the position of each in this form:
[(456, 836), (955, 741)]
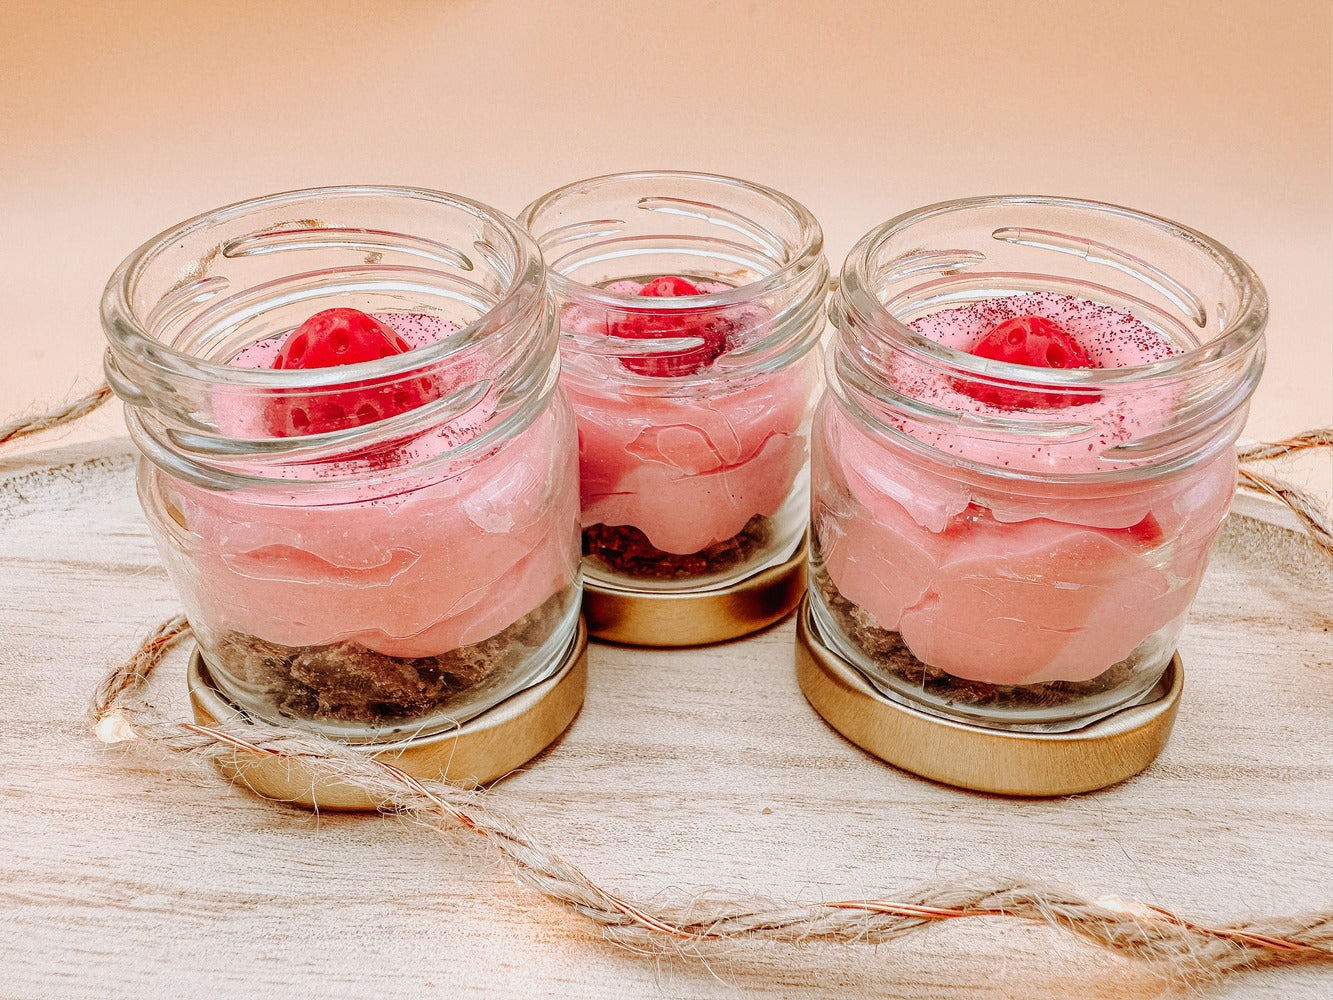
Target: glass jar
[(689, 307), (1012, 545), (368, 550)]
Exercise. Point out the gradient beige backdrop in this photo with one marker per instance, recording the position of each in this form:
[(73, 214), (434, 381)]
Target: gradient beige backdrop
[(117, 120)]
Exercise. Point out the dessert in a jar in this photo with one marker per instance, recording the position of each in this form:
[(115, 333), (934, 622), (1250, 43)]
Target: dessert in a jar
[(689, 306), (356, 460), (1026, 453)]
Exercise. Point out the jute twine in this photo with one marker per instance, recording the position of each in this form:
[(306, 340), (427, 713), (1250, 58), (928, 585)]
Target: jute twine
[(1315, 517), (1181, 948), (57, 417)]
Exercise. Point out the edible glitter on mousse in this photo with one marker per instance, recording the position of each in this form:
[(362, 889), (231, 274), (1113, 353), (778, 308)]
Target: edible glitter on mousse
[(417, 329), (1111, 337), (242, 418)]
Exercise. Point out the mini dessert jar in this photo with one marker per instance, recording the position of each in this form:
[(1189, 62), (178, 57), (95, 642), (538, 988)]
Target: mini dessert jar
[(1025, 454), (375, 550), (690, 305)]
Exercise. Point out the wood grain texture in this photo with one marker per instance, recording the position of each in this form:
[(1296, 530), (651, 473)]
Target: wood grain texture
[(684, 770)]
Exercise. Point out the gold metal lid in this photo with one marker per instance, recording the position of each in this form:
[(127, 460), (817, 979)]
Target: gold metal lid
[(644, 618), (985, 760), (477, 752)]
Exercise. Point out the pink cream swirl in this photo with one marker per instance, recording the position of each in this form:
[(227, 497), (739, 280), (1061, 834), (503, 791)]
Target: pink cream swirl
[(415, 567), (1015, 580), (687, 468)]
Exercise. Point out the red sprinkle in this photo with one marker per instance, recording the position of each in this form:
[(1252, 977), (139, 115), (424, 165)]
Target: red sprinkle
[(1036, 342), (1147, 533), (329, 339), (714, 330)]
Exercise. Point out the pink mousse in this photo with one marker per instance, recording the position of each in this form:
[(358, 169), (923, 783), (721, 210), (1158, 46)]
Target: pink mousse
[(687, 466), (1018, 582), (448, 559)]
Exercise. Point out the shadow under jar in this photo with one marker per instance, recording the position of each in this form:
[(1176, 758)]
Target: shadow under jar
[(690, 305), (1016, 543), (370, 550)]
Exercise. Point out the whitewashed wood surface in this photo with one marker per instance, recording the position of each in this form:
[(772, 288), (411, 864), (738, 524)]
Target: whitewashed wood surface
[(685, 770)]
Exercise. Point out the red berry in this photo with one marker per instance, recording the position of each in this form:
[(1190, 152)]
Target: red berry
[(338, 337), (1035, 341), (714, 330), (329, 339), (1038, 343), (669, 286)]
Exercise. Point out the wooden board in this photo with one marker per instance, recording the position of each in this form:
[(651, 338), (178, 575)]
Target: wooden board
[(685, 770)]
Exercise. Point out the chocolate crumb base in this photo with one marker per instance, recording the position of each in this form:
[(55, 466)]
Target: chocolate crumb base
[(625, 549), (347, 682), (892, 657)]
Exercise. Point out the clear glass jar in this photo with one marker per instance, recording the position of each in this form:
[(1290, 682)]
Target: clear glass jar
[(1018, 546), (367, 574), (693, 409)]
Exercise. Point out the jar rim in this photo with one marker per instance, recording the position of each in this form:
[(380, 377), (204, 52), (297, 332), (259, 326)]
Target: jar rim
[(808, 251), (804, 274), (1241, 333), (125, 328)]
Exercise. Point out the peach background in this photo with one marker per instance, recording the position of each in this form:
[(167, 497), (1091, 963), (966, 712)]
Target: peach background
[(117, 120)]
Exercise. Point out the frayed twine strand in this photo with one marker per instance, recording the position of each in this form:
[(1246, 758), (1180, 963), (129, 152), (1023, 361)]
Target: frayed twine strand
[(51, 419), (1314, 516), (1180, 948)]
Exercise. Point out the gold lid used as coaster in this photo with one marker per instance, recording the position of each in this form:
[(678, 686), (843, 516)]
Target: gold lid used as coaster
[(684, 618), (477, 752), (969, 756)]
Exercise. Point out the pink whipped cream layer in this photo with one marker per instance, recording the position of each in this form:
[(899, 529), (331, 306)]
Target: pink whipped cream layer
[(687, 470), (1021, 582), (445, 561)]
